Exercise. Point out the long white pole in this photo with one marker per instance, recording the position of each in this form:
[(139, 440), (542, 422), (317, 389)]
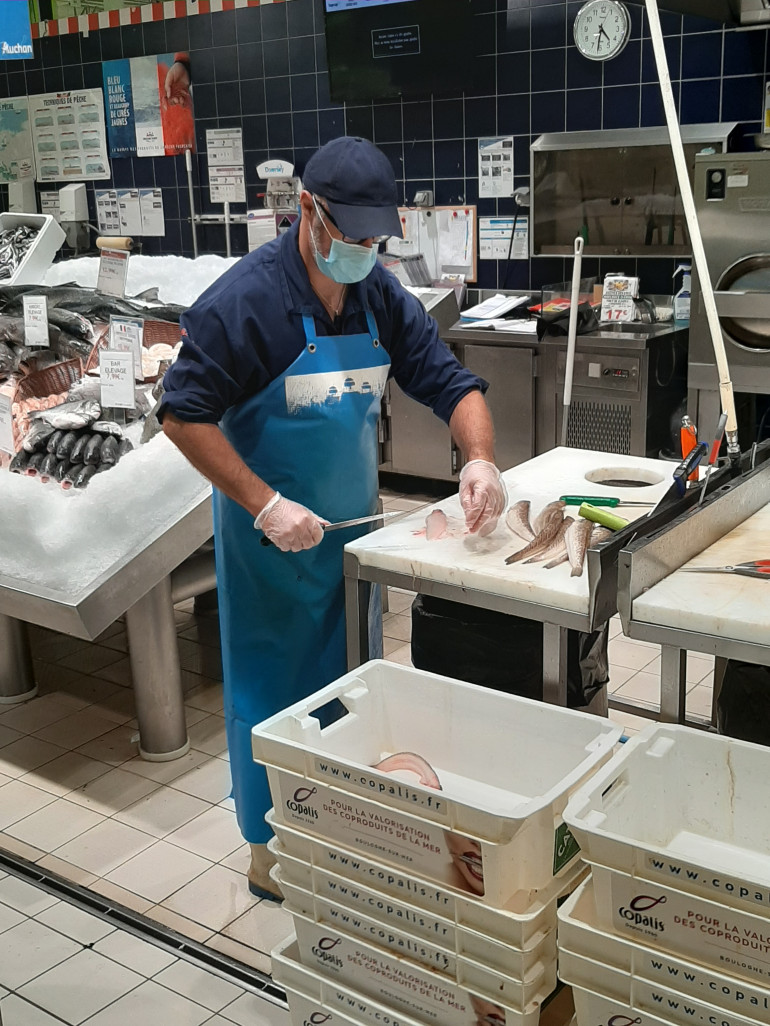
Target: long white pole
[(569, 370), (698, 252)]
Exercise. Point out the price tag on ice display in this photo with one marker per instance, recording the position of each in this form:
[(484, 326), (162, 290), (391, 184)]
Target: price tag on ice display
[(618, 298), (116, 369), (127, 335), (6, 424), (35, 321), (113, 269)]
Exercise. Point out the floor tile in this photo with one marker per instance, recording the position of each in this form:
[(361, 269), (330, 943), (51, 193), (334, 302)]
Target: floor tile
[(51, 677), (205, 631), (207, 697), (399, 601), (251, 1010), (74, 923), (119, 672), (179, 924), (699, 702), (208, 735), (402, 656), (618, 676), (116, 704), (17, 944), (26, 754), (203, 659), (698, 667), (214, 835), (241, 953), (18, 800), (55, 824), (163, 811), (239, 860), (92, 659), (15, 1011), (642, 687), (8, 736), (165, 772), (616, 628), (199, 985), (76, 730), (210, 781), (390, 645), (9, 917), (22, 850), (214, 899), (58, 647), (117, 746), (53, 864), (81, 986), (134, 953), (40, 712), (66, 773), (158, 871), (262, 927), (103, 848), (398, 626), (120, 896), (151, 1003), (623, 653), (24, 897), (112, 792)]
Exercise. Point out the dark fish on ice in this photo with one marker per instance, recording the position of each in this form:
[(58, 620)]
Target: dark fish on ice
[(124, 446), (72, 322), (33, 463), (78, 454), (92, 452), (47, 468), (108, 427), (109, 450), (37, 437), (66, 445), (19, 462), (83, 476), (54, 441), (63, 467)]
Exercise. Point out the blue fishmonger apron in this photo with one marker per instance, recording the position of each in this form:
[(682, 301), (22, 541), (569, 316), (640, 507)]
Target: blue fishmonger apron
[(311, 435)]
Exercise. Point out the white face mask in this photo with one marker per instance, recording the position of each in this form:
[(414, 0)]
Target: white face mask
[(347, 262)]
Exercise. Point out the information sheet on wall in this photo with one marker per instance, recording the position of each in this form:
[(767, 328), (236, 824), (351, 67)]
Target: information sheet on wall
[(495, 238), (68, 136), (496, 167), (445, 236), (130, 212), (224, 150), (16, 157), (149, 106)]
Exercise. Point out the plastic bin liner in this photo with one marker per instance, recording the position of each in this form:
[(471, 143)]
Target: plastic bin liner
[(743, 705), (495, 650), (558, 323)]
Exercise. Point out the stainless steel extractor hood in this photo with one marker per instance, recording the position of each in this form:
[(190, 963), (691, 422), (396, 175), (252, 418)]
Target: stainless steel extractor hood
[(731, 12)]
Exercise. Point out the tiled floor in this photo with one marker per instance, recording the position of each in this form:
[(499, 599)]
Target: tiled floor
[(161, 838)]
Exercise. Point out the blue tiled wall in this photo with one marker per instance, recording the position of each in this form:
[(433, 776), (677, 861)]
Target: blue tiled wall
[(264, 69)]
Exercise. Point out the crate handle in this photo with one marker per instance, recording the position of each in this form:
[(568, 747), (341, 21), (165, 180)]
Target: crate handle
[(329, 713)]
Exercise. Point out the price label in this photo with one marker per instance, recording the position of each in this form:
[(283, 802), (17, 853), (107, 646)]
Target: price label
[(6, 423), (618, 298), (127, 335), (35, 321), (116, 369), (113, 269)]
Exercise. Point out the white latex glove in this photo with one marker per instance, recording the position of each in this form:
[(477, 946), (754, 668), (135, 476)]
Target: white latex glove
[(290, 526), (482, 496)]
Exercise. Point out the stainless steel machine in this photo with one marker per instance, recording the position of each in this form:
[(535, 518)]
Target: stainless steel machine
[(732, 199)]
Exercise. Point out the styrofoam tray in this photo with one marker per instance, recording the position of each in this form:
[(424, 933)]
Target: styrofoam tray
[(506, 766), (316, 997), (317, 865), (729, 939), (41, 253), (579, 931), (710, 832), (610, 993), (447, 955), (397, 980)]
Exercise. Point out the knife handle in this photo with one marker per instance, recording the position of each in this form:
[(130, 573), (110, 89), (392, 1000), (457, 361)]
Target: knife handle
[(688, 465)]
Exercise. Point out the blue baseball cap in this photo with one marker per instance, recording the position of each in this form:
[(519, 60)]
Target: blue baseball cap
[(357, 182)]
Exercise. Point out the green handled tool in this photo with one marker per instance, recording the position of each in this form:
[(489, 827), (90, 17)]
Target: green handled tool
[(599, 500), (601, 516)]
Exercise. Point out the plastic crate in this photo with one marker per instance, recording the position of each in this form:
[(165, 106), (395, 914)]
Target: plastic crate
[(318, 866), (318, 998), (446, 949), (580, 934), (610, 992), (710, 830), (41, 253), (506, 764)]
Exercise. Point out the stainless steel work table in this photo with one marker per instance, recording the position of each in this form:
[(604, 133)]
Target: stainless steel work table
[(75, 562), (727, 616), (472, 570)]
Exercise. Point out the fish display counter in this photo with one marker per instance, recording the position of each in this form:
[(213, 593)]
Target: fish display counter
[(478, 571), (98, 517)]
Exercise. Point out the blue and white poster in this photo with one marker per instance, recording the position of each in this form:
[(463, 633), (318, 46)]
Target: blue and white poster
[(121, 130), (15, 31)]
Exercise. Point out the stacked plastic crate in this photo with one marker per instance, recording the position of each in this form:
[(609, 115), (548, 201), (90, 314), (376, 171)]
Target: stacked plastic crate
[(421, 847), (674, 924)]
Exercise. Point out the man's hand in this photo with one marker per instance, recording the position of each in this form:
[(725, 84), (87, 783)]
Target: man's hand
[(177, 86), (482, 496), (290, 526)]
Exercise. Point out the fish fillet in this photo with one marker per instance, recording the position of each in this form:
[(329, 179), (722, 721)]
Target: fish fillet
[(517, 519), (411, 763), (551, 519), (436, 525), (547, 512), (556, 546), (577, 542)]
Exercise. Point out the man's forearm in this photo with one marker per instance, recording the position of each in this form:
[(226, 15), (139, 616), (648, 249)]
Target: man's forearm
[(208, 450), (472, 429)]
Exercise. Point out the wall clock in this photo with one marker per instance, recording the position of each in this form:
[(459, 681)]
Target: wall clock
[(602, 29)]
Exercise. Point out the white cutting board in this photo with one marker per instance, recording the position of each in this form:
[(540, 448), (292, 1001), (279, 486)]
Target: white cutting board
[(721, 605), (479, 563)]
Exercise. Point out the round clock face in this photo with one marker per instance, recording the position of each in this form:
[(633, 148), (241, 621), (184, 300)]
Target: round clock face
[(602, 28)]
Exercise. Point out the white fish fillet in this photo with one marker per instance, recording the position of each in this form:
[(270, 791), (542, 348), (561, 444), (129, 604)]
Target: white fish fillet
[(517, 519), (411, 763), (556, 546), (436, 525), (577, 542)]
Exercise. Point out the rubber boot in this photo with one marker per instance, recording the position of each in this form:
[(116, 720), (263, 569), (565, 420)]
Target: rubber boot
[(260, 884)]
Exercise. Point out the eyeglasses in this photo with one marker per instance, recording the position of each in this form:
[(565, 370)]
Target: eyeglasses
[(376, 239)]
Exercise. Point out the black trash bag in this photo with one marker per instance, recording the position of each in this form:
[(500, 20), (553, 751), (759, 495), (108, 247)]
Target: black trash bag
[(743, 705), (558, 323), (502, 652)]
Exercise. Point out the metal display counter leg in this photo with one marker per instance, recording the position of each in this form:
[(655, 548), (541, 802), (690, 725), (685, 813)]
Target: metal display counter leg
[(554, 664), (157, 677), (17, 678), (673, 684)]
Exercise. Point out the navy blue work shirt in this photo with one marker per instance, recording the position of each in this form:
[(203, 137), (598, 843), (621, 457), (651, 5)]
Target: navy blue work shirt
[(246, 329)]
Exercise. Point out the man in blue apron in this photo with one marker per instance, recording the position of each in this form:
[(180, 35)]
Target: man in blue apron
[(275, 398)]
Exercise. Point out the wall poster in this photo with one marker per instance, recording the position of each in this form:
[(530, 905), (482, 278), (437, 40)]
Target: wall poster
[(16, 159), (149, 106), (68, 136)]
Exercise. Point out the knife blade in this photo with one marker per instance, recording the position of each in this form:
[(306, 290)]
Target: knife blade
[(363, 520)]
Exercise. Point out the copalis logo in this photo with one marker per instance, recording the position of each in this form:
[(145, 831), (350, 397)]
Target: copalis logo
[(622, 1020), (638, 906), (324, 948), (318, 1017), (299, 802)]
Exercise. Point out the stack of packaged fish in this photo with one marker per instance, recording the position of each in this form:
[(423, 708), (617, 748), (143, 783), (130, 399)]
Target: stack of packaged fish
[(14, 245), (69, 444)]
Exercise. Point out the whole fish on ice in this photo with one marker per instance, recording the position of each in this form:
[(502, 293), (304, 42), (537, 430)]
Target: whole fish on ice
[(70, 416)]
